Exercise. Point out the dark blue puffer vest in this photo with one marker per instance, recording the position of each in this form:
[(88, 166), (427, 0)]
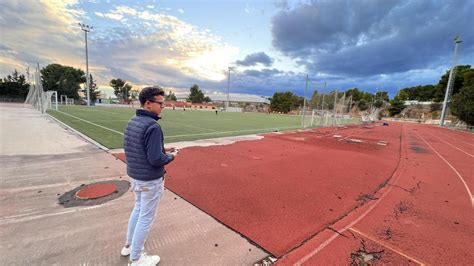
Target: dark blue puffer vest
[(138, 166)]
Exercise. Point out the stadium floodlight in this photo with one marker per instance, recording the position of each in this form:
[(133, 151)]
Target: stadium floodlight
[(452, 74), (228, 88), (304, 103), (86, 29)]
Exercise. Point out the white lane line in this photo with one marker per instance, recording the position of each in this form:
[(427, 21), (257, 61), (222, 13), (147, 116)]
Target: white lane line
[(472, 156), (328, 241), (94, 124), (362, 131), (459, 140), (452, 167), (387, 246)]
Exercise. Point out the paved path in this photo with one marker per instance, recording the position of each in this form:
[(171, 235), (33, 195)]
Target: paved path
[(41, 160)]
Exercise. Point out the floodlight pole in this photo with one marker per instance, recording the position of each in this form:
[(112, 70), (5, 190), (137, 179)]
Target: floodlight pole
[(304, 102), (228, 88), (86, 29), (335, 110), (452, 74)]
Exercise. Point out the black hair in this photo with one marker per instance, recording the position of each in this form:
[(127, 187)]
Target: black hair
[(149, 93)]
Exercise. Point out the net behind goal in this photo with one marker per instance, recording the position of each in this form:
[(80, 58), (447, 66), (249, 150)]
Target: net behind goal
[(331, 110), (39, 99)]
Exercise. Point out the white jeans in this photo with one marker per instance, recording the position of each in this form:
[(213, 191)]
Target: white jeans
[(147, 197)]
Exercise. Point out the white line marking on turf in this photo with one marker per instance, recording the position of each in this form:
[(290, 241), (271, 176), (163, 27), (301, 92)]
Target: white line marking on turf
[(452, 167), (185, 135), (185, 125), (94, 124), (387, 246), (227, 132), (451, 145)]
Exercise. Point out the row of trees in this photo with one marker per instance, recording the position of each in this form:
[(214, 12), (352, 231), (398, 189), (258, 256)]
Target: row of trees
[(437, 91), (67, 80), (462, 94), (14, 86), (286, 101)]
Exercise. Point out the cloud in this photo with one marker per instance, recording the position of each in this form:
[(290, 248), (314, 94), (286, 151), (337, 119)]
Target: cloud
[(135, 44), (366, 38), (109, 15), (181, 11), (40, 32), (256, 58)]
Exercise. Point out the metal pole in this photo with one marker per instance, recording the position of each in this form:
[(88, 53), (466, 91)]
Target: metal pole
[(40, 89), (228, 89), (350, 106), (56, 98), (452, 74), (335, 111), (87, 73), (304, 102), (86, 29)]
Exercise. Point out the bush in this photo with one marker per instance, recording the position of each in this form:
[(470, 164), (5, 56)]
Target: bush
[(463, 105)]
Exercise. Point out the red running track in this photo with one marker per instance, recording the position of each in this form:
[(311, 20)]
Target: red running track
[(423, 216), (286, 188)]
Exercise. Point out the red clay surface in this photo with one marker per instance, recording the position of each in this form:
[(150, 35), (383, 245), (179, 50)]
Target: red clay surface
[(423, 216), (311, 198), (282, 190), (96, 191)]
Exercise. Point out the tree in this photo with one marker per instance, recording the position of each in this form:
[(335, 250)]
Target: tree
[(65, 80), (134, 94), (378, 103), (121, 88), (362, 105), (207, 99), (355, 93), (440, 88), (285, 101), (396, 106), (170, 97), (314, 101), (382, 95), (195, 95), (93, 92), (14, 86), (463, 102)]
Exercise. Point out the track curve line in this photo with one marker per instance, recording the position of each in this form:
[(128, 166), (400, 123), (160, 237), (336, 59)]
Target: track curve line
[(395, 176), (454, 146), (471, 197)]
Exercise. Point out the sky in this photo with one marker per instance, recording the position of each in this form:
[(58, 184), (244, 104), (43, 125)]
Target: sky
[(269, 46)]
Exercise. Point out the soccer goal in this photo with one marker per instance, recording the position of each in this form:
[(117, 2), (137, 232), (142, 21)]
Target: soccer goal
[(332, 111), (39, 99)]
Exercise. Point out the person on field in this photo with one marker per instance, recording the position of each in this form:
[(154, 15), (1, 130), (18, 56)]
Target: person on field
[(146, 159)]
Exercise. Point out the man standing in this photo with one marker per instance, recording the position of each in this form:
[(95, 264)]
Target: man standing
[(146, 159)]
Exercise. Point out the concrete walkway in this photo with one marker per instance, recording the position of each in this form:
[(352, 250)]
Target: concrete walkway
[(40, 160)]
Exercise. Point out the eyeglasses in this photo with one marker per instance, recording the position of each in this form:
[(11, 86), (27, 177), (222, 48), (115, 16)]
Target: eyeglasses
[(160, 103)]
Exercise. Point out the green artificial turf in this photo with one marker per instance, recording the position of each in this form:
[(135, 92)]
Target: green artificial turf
[(106, 124)]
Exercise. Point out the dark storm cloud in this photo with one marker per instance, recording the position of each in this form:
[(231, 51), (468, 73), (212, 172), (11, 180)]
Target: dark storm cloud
[(256, 58), (367, 38)]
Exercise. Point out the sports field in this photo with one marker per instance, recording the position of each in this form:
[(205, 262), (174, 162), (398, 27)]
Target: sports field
[(106, 124)]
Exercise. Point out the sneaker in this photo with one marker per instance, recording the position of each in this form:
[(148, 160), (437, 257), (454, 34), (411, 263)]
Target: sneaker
[(145, 260), (126, 250)]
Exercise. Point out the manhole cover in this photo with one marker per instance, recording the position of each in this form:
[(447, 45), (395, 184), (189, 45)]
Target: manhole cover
[(94, 194), (96, 191)]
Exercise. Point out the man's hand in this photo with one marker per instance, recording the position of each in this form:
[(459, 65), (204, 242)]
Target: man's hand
[(170, 150)]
